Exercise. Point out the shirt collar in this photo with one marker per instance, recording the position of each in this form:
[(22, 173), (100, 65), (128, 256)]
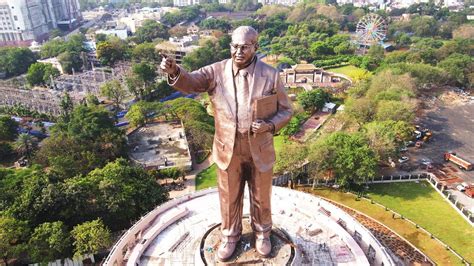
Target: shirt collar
[(250, 68)]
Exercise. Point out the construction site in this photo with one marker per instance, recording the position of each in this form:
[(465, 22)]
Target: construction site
[(47, 100)]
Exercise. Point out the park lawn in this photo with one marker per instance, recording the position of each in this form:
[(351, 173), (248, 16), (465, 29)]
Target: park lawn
[(208, 177), (420, 203), (278, 143), (418, 238), (355, 73)]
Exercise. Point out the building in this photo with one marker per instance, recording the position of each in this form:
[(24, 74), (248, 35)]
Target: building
[(307, 75), (276, 2), (135, 20), (53, 61), (185, 2), (119, 31), (160, 145), (24, 21)]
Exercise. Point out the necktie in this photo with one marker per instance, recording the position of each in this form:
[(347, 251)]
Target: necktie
[(242, 100)]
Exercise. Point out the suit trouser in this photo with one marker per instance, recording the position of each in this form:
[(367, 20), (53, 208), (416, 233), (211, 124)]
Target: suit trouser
[(231, 184)]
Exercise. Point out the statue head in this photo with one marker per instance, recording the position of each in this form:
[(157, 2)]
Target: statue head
[(244, 45)]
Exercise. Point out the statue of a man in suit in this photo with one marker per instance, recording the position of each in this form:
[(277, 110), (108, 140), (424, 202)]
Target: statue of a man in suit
[(243, 147)]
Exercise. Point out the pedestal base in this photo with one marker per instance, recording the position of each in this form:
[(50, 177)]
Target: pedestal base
[(282, 253)]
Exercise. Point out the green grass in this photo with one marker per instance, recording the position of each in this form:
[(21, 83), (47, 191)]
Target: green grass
[(278, 143), (355, 73), (207, 178), (432, 248), (424, 206)]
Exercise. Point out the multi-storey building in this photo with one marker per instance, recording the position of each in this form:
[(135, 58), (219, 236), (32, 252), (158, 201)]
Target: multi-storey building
[(24, 21), (278, 2), (185, 2)]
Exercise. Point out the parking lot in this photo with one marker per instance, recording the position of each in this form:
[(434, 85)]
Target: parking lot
[(453, 130)]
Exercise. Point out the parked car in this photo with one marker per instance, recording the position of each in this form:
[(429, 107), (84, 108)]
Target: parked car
[(410, 143), (403, 159), (461, 188), (403, 149)]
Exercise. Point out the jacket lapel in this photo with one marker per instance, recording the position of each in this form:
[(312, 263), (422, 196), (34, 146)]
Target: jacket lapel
[(228, 89), (257, 84)]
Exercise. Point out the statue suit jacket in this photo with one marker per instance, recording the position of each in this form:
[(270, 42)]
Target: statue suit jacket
[(217, 80)]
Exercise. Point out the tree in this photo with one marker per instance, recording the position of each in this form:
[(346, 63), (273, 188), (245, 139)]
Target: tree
[(114, 91), (213, 23), (6, 151), (67, 106), (139, 83), (151, 30), (137, 115), (100, 37), (291, 159), (90, 237), (385, 137), (40, 74), (375, 55), (13, 235), (459, 66), (465, 31), (207, 54), (386, 82), (424, 26), (362, 110), (178, 31), (395, 110), (347, 156), (49, 242), (111, 51), (313, 100), (70, 61), (89, 139), (145, 52), (25, 144), (123, 192), (15, 61), (145, 72), (8, 128)]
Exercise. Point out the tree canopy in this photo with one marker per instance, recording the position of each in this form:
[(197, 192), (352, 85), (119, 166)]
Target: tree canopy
[(8, 128), (15, 61)]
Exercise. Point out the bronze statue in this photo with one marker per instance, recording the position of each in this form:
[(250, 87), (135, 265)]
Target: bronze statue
[(243, 147)]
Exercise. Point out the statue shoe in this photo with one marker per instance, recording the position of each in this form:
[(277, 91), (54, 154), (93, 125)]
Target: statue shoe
[(227, 248), (263, 246)]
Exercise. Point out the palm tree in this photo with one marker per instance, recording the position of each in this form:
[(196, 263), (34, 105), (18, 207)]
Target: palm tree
[(24, 144)]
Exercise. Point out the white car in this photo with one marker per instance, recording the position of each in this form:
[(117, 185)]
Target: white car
[(403, 159), (425, 161), (460, 188)]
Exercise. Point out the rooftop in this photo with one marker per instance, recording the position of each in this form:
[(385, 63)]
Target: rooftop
[(160, 145)]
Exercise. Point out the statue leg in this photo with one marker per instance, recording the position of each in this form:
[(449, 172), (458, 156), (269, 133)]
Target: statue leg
[(231, 194), (260, 188)]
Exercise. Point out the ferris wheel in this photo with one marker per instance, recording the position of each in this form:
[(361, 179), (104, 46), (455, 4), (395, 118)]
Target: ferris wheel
[(371, 29)]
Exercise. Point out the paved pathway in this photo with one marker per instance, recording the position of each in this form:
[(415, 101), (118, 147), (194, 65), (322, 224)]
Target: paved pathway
[(191, 178)]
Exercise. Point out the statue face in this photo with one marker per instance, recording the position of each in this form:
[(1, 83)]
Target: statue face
[(242, 49)]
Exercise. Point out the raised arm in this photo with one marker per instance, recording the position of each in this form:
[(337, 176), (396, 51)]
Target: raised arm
[(201, 80)]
